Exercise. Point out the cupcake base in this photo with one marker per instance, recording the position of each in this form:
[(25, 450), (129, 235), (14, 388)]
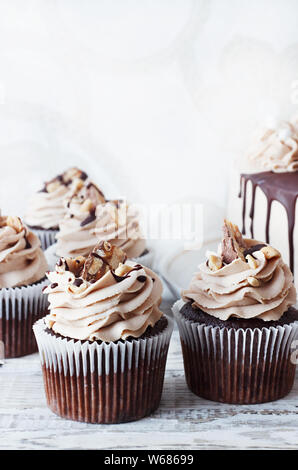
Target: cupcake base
[(236, 365), (103, 383), (21, 307)]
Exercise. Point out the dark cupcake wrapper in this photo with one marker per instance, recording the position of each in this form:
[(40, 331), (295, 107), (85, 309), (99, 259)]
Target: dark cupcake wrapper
[(103, 382), (235, 365), (47, 237), (20, 308)]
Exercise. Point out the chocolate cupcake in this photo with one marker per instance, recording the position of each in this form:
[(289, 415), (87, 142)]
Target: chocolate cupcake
[(104, 345), (47, 207), (22, 277), (237, 323), (89, 218)]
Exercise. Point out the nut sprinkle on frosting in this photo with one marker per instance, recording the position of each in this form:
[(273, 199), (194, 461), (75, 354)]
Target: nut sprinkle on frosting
[(245, 279), (102, 296)]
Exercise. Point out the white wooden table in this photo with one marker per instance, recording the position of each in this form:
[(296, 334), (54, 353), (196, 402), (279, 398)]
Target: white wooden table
[(183, 420)]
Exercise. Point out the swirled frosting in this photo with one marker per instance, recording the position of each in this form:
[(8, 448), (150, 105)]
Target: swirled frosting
[(118, 223), (47, 207), (261, 288), (112, 221), (22, 261), (109, 309), (76, 230), (276, 149)]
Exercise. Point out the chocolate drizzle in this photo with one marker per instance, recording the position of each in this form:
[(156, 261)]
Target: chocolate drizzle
[(91, 217), (281, 187)]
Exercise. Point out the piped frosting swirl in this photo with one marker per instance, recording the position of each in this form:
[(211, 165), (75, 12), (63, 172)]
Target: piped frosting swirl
[(22, 261), (102, 297), (276, 149), (254, 283)]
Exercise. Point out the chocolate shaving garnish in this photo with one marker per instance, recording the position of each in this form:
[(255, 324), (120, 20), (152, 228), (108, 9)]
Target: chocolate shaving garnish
[(141, 278), (55, 284), (78, 282), (233, 245), (91, 217)]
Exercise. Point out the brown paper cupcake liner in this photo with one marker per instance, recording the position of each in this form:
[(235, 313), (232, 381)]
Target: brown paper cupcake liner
[(99, 382), (235, 365), (47, 237), (21, 307)]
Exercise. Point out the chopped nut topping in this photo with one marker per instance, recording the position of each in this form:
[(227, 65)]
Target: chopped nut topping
[(233, 245), (270, 252), (252, 262), (123, 269), (253, 281), (87, 206), (103, 258), (214, 262), (15, 223)]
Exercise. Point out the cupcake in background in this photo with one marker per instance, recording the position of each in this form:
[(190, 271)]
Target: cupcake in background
[(237, 323), (90, 218), (22, 277), (46, 208), (104, 345)]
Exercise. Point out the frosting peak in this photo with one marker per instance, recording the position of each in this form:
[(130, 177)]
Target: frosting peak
[(276, 149), (22, 261), (254, 283), (47, 208), (102, 297)]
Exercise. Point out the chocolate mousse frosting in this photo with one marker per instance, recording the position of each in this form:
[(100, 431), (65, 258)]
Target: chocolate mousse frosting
[(47, 208), (246, 279), (102, 297), (22, 261)]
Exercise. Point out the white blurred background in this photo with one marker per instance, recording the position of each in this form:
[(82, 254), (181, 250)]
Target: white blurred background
[(154, 98)]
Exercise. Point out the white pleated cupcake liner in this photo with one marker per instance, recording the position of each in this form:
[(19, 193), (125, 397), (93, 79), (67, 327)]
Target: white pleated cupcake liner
[(122, 381), (47, 237), (20, 308), (237, 365), (52, 258)]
